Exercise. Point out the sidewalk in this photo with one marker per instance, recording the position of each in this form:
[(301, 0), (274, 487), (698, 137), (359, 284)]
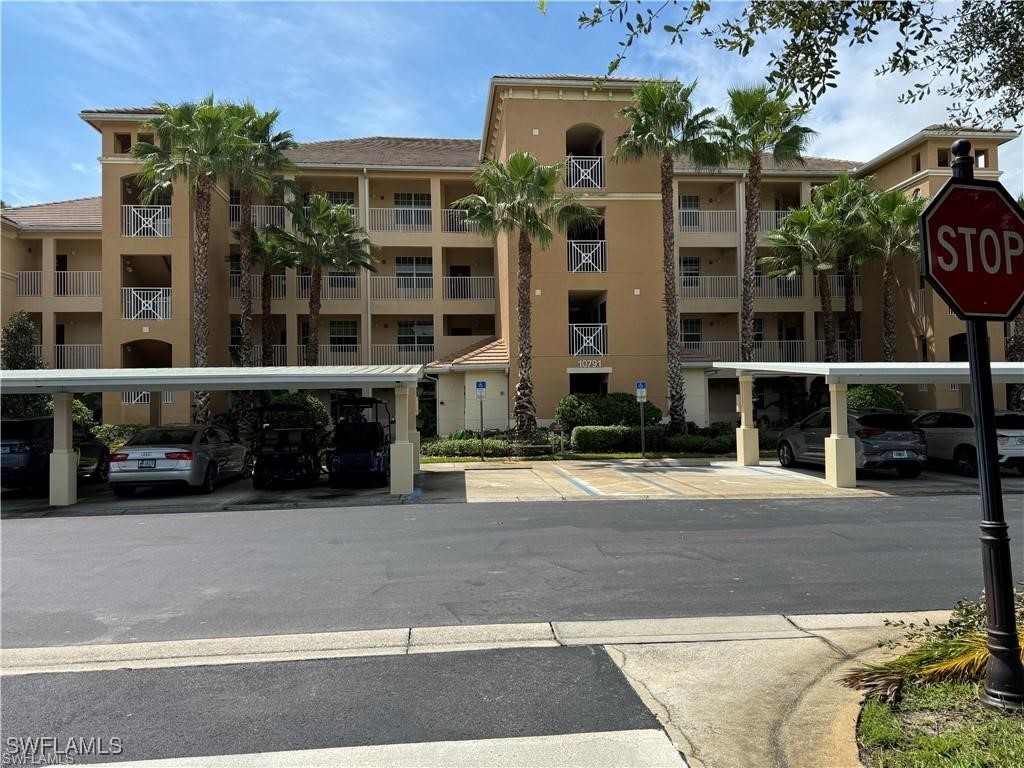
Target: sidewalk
[(729, 692)]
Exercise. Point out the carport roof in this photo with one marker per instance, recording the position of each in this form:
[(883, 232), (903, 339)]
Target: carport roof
[(878, 373), (209, 379)]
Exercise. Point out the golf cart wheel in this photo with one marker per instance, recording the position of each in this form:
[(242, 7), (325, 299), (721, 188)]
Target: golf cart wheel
[(259, 481), (247, 465), (123, 491), (786, 457), (909, 471), (965, 460), (209, 480)]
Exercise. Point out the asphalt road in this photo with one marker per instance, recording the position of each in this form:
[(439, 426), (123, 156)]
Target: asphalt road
[(175, 576)]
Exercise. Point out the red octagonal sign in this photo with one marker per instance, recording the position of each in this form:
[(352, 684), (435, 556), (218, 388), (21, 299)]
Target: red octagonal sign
[(972, 249)]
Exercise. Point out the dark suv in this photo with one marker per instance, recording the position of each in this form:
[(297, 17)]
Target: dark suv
[(25, 446)]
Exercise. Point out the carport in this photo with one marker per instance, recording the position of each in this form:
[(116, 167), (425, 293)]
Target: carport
[(62, 384), (840, 451)]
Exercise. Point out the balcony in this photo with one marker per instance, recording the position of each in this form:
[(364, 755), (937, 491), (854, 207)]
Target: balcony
[(708, 287), (78, 283), (468, 288), (395, 288), (711, 222), (584, 172), (778, 287), (279, 354), (262, 216), (28, 283), (400, 220), (146, 303), (769, 221), (146, 220), (764, 351), (589, 339), (401, 354), (277, 286), (333, 286), (841, 350), (78, 356), (333, 354), (837, 286), (142, 398), (455, 220), (588, 256)]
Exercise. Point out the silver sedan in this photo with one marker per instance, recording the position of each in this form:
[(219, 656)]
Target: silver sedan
[(196, 456)]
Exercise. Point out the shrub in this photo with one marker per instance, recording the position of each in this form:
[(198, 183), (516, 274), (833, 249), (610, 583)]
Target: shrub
[(613, 409), (450, 447), (701, 444), (613, 439), (876, 396), (116, 435), (321, 417), (767, 439)]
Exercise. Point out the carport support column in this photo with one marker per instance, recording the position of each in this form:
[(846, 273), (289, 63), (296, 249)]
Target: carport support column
[(63, 458), (401, 450), (156, 408), (840, 448), (748, 453), (414, 433)]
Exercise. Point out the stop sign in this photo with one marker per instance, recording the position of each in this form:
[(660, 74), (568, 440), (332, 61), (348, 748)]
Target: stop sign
[(972, 249)]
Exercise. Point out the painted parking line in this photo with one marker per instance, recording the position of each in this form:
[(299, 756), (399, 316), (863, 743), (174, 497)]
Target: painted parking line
[(641, 476), (578, 483)]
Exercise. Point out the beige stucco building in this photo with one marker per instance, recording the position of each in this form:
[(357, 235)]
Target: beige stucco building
[(108, 279)]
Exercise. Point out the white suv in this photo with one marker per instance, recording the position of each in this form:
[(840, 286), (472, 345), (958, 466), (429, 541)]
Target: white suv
[(950, 436)]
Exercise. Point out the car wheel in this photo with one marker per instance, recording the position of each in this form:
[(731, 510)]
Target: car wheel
[(123, 491), (247, 465), (965, 460), (786, 457), (909, 471), (209, 480)]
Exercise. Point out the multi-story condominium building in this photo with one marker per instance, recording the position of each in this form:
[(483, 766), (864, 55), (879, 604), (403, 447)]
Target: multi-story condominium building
[(107, 279)]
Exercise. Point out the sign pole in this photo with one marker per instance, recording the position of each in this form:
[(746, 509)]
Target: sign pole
[(641, 398), (1004, 679), (481, 395)]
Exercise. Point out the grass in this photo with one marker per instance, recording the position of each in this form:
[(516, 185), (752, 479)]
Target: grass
[(939, 725), (565, 457)]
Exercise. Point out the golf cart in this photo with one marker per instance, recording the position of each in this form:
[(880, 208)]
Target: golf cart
[(362, 444), (287, 447)]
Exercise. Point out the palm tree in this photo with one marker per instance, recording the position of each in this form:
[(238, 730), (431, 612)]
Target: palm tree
[(520, 197), (274, 257), (759, 122), (664, 123), (195, 142), (323, 235), (258, 169), (891, 219)]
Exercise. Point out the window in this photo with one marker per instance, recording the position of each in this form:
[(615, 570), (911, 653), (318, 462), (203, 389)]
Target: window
[(691, 332), (420, 332), (343, 332), (236, 332), (122, 143), (915, 163), (235, 196), (689, 210), (759, 331), (235, 263), (343, 198), (689, 269), (412, 199), (414, 271), (981, 158), (145, 138), (304, 332), (412, 209), (818, 420), (928, 420), (943, 158)]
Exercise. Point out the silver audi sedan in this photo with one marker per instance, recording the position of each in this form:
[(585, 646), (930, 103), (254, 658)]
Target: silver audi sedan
[(197, 456)]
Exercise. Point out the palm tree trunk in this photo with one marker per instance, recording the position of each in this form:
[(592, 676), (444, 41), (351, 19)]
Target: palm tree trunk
[(1016, 355), (313, 342), (245, 286), (889, 311), (828, 321), (200, 294), (849, 309), (753, 203), (524, 411), (267, 335), (674, 367)]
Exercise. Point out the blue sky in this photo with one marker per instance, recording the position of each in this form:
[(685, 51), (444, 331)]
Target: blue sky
[(355, 69)]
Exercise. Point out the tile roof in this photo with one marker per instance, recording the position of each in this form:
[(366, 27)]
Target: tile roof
[(812, 164), (489, 352), (961, 128), (81, 215), (580, 78), (391, 151), (121, 111)]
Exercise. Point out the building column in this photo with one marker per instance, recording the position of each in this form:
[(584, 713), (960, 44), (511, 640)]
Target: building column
[(401, 449), (840, 448), (156, 408), (748, 452), (48, 330), (414, 432), (291, 326), (63, 458), (810, 334)]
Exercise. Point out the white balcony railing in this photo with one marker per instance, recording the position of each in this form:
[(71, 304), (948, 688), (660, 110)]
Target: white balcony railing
[(841, 349), (454, 220), (392, 287), (146, 303), (352, 209), (78, 283), (37, 350), (837, 286), (333, 285), (279, 353), (591, 339), (277, 286), (708, 286), (29, 283), (262, 216), (142, 398), (332, 354), (763, 352), (77, 355), (400, 219), (588, 256), (456, 288), (401, 354), (778, 287), (769, 221), (584, 172), (146, 220), (707, 221)]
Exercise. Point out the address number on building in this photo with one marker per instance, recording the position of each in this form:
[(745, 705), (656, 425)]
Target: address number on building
[(588, 363)]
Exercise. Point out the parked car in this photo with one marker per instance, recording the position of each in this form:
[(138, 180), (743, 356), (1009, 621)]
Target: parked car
[(950, 436), (25, 446), (362, 446), (884, 440), (287, 447), (196, 456)]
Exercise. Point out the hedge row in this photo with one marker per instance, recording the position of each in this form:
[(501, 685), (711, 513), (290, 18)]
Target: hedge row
[(627, 439), (449, 447)]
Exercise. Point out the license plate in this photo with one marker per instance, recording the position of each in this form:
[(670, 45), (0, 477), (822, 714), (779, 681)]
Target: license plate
[(7, 448), (1020, 441), (901, 454), (147, 463)]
